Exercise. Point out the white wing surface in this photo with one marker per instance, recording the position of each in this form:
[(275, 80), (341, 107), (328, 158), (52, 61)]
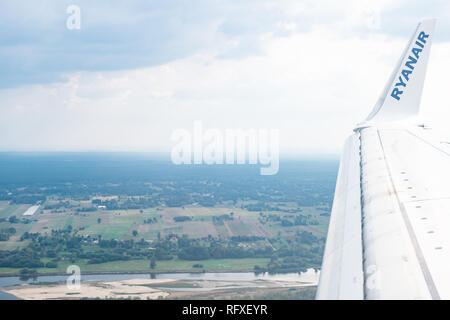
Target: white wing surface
[(389, 233)]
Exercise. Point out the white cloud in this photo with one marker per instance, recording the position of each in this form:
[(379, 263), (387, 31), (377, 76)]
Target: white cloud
[(313, 85)]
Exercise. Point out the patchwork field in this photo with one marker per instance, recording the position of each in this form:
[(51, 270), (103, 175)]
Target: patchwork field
[(152, 224), (7, 210), (148, 223)]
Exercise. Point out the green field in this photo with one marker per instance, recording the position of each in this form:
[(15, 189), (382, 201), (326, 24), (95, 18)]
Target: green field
[(119, 224), (151, 223), (14, 209), (133, 266)]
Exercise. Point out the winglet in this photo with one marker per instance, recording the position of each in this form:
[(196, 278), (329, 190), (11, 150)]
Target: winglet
[(400, 98)]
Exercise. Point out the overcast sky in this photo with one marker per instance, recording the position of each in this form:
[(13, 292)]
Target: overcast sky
[(138, 70)]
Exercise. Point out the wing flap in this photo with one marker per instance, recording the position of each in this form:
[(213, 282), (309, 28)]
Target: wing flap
[(421, 176), (341, 275), (393, 261)]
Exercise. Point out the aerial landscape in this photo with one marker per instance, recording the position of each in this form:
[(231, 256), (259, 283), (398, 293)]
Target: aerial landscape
[(112, 213), (223, 158)]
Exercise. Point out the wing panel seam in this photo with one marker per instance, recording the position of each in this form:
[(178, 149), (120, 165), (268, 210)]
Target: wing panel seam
[(419, 254)]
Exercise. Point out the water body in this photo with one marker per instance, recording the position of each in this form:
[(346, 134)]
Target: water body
[(310, 276), (7, 296)]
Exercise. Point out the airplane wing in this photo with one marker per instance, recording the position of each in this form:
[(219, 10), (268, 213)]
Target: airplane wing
[(389, 233)]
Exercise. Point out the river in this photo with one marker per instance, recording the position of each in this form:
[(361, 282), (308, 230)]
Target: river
[(310, 276)]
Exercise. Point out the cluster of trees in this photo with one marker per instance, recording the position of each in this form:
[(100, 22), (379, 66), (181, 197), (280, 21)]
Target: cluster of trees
[(87, 209), (27, 198), (66, 245), (220, 251), (299, 220), (288, 220), (224, 217), (303, 251), (117, 254), (260, 206), (13, 219), (128, 203), (20, 258), (150, 220), (296, 254), (288, 264), (58, 205), (182, 218), (211, 248), (6, 233), (246, 238)]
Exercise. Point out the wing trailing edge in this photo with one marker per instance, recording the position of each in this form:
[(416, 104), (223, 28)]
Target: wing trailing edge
[(341, 275)]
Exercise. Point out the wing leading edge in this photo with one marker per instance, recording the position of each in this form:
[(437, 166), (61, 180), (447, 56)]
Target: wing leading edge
[(388, 235)]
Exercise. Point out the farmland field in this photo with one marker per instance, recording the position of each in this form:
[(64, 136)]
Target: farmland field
[(119, 224), (130, 213)]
